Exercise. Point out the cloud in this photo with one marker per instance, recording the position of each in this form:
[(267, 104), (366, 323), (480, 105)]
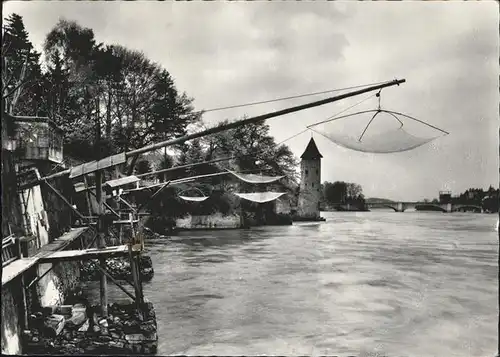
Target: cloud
[(237, 52)]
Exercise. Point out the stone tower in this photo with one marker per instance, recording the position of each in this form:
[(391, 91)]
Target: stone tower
[(310, 183)]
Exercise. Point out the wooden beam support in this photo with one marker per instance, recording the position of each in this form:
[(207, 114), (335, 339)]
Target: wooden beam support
[(116, 159), (60, 195), (136, 278), (150, 199), (104, 271), (101, 243), (24, 303), (106, 205)]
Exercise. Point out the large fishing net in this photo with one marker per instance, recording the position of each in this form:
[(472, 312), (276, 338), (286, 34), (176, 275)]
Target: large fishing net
[(253, 178), (193, 198), (260, 197), (385, 131)]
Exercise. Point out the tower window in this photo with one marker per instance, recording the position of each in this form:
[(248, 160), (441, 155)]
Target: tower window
[(317, 171), (307, 171), (312, 184)]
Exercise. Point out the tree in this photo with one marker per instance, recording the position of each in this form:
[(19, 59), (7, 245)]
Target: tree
[(21, 73), (112, 96), (143, 166)]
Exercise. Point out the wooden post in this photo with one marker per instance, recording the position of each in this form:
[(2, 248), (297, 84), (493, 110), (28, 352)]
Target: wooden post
[(101, 243), (24, 303), (133, 268)]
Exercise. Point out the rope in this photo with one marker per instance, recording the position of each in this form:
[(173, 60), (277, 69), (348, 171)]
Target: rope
[(285, 98)]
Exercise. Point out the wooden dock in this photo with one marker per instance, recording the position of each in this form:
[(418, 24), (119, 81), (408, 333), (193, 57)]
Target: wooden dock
[(19, 266), (16, 268), (86, 254)]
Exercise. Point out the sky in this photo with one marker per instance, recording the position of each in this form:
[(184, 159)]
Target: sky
[(229, 53)]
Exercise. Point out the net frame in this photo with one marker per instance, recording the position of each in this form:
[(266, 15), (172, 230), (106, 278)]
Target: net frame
[(193, 198), (254, 178), (251, 196), (357, 145)]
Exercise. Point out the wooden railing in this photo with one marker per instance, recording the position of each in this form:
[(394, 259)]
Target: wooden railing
[(11, 249)]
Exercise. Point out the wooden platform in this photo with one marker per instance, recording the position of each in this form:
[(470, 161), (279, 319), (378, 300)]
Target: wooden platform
[(61, 242), (17, 267), (86, 254)]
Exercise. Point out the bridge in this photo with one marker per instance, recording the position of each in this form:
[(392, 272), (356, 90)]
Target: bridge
[(428, 206)]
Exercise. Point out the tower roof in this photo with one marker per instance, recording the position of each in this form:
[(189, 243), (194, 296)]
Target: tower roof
[(311, 152)]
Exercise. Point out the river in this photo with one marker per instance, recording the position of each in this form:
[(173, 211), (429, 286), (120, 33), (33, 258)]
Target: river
[(366, 284)]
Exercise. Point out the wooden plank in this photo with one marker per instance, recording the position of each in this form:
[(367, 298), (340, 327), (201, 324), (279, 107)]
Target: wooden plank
[(93, 166), (122, 181), (126, 221), (62, 242), (16, 268), (91, 253)]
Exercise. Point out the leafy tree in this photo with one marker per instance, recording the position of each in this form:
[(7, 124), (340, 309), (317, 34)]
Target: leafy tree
[(143, 166), (21, 74)]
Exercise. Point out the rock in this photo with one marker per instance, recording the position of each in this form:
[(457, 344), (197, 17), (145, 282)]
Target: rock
[(105, 338), (151, 337), (94, 319), (96, 328), (77, 318), (85, 326), (64, 310), (115, 335), (104, 331), (48, 310), (103, 323), (134, 338), (148, 327), (54, 324)]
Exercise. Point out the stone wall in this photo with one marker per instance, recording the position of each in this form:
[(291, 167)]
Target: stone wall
[(11, 315), (214, 221)]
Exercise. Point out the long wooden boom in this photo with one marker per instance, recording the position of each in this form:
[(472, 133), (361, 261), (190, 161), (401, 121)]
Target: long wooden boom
[(239, 123)]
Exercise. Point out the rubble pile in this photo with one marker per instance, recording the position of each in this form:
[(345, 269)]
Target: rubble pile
[(77, 329), (118, 267)]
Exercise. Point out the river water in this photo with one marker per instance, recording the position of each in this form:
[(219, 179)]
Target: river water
[(366, 284)]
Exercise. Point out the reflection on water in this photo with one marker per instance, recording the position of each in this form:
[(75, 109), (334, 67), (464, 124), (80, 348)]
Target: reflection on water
[(365, 284)]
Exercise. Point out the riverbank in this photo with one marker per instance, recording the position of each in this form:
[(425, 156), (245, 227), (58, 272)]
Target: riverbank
[(79, 329)]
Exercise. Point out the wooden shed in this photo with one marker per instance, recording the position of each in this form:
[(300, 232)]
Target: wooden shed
[(38, 138)]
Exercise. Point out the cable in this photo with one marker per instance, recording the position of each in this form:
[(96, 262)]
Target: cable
[(342, 111), (283, 98)]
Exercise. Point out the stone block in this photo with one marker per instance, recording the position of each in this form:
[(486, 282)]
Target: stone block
[(151, 337), (85, 326), (134, 338), (54, 324), (48, 310), (77, 318), (64, 310)]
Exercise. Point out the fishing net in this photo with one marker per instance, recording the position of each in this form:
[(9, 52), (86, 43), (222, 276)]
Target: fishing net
[(384, 131), (252, 178), (260, 197), (193, 198)]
